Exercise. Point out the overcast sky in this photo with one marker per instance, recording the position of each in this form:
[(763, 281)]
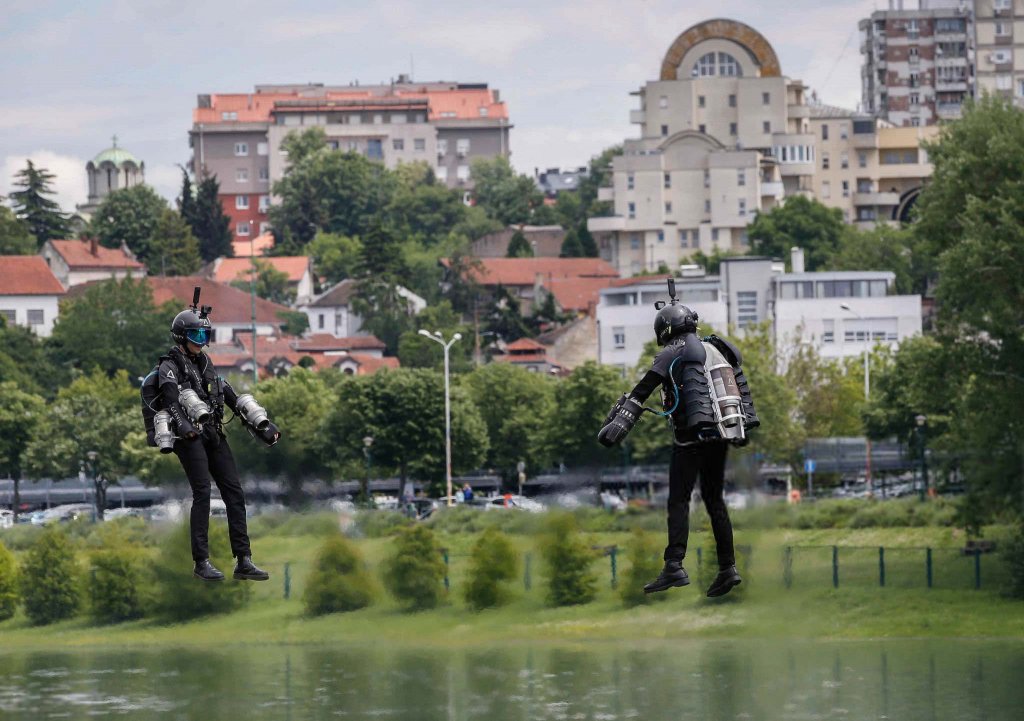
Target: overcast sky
[(75, 73)]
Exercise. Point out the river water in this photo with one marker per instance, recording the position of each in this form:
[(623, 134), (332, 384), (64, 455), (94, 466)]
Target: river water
[(905, 680)]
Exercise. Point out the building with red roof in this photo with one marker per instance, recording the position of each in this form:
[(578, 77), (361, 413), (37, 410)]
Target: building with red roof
[(29, 293), (80, 261), (276, 356), (528, 354), (298, 268), (237, 136)]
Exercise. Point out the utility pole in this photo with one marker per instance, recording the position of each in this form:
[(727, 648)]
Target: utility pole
[(252, 296), (438, 338)]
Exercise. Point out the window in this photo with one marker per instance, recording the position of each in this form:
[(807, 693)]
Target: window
[(634, 241), (746, 308), (664, 130), (826, 190), (242, 175), (707, 178), (619, 336), (263, 174), (35, 317), (1001, 4), (766, 98), (483, 111), (846, 188), (630, 181), (766, 126), (1004, 82), (442, 146), (701, 101), (419, 144), (8, 315), (668, 180), (912, 28), (378, 119), (1002, 29), (242, 228), (702, 128), (262, 149), (733, 129), (241, 202), (828, 333), (866, 214), (668, 207), (915, 80), (264, 203), (714, 234), (462, 147), (915, 122), (844, 160), (824, 161), (229, 116), (707, 207), (844, 131), (663, 101), (398, 144), (741, 176), (914, 55), (441, 173), (375, 149), (462, 173), (682, 238), (732, 101), (399, 118), (241, 148), (661, 236), (632, 210), (824, 132), (711, 64), (743, 207), (862, 160)]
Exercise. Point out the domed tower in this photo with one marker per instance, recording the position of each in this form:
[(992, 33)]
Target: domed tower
[(113, 169)]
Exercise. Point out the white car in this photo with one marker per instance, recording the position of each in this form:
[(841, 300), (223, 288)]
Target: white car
[(65, 513), (122, 513), (522, 503)]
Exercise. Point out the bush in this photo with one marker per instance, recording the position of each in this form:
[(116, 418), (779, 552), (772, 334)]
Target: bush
[(339, 581), (8, 583), (492, 564), (290, 524), (378, 524), (21, 537), (1013, 556), (568, 560), (644, 565), (415, 572), (49, 579), (179, 596), (115, 583)]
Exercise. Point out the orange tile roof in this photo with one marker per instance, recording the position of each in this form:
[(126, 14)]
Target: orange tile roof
[(525, 358), (525, 344), (230, 305), (258, 245), (84, 254), (524, 271), (638, 280), (27, 275), (270, 348), (575, 294), (228, 270), (325, 342)]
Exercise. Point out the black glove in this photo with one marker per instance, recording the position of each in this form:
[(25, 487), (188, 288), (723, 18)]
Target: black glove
[(269, 435), (620, 421), (181, 421)]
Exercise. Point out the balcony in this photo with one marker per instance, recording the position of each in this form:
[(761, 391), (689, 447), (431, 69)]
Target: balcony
[(865, 140), (950, 85), (799, 111), (773, 189), (637, 117), (949, 111), (874, 199), (608, 224), (606, 194)]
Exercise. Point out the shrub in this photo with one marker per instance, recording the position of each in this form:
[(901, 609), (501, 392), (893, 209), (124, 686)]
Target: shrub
[(644, 565), (415, 572), (378, 524), (179, 596), (21, 537), (1013, 556), (49, 579), (8, 583), (568, 560), (492, 565), (290, 524), (115, 583), (339, 581)]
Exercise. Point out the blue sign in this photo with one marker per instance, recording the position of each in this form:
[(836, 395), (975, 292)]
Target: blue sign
[(809, 466)]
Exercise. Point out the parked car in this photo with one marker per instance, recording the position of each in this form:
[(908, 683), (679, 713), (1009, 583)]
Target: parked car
[(64, 514), (522, 503), (6, 518), (113, 513)]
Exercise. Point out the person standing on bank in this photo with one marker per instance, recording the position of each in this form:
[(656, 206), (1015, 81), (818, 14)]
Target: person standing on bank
[(184, 391), (709, 407)]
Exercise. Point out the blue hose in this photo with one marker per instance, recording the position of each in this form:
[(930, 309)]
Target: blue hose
[(675, 389)]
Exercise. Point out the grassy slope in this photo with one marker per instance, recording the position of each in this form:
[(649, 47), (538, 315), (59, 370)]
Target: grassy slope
[(810, 609)]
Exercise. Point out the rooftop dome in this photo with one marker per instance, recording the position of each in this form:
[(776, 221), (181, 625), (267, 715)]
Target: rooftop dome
[(117, 156)]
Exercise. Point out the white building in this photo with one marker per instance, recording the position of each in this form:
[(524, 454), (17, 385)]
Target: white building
[(29, 293), (331, 312)]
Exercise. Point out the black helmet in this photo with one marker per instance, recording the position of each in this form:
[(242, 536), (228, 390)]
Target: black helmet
[(672, 321), (192, 326)]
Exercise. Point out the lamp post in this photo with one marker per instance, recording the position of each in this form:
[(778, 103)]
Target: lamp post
[(99, 495), (922, 432), (364, 490), (867, 391), (438, 338)]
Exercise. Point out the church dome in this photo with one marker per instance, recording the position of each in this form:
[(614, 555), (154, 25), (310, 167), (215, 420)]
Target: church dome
[(117, 156)]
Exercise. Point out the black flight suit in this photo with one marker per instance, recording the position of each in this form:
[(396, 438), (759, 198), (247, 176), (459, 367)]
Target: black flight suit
[(205, 457)]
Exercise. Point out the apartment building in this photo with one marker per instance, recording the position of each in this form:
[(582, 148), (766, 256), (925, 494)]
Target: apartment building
[(999, 48), (238, 136), (723, 135)]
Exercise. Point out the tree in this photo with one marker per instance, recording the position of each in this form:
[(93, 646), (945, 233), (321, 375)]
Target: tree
[(173, 249), (567, 560), (42, 216), (187, 199), (492, 565), (20, 412), (476, 224), (519, 246), (83, 430), (210, 224), (294, 322), (600, 175), (800, 222), (28, 362), (112, 325), (49, 579), (179, 597), (571, 246), (335, 257), (505, 196), (414, 572), (385, 312), (339, 581), (271, 284), (116, 584), (590, 249), (415, 351), (8, 583), (644, 564), (504, 318), (426, 210), (581, 403), (132, 217), (15, 237), (882, 248)]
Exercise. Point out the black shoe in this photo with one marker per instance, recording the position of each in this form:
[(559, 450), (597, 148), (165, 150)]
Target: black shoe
[(205, 571), (672, 575), (725, 581), (245, 570)]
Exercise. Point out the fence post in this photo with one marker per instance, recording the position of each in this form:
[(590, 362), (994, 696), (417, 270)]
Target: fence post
[(835, 566), (977, 569), (787, 566), (287, 580), (881, 566), (526, 572), (612, 552), (447, 583), (928, 565)]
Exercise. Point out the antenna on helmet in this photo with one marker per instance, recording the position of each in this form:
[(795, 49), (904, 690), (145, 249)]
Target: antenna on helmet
[(672, 290), (195, 297)]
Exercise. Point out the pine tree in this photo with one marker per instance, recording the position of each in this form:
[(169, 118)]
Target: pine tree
[(187, 200), (571, 246), (519, 246), (587, 241), (42, 216), (173, 249), (210, 225)]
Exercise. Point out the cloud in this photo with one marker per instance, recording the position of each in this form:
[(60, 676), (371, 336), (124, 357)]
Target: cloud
[(560, 146), (70, 183), (165, 180)]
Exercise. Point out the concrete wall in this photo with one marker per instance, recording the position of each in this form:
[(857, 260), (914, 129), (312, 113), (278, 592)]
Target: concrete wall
[(22, 304)]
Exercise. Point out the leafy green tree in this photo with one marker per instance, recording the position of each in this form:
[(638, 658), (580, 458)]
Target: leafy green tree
[(545, 214), (403, 410), (504, 317), (414, 572), (829, 394), (302, 145), (569, 208), (90, 416), (173, 249), (116, 583), (210, 224), (546, 314), (415, 351), (571, 246), (519, 246), (49, 579), (600, 175), (644, 564), (26, 361), (335, 257), (339, 581), (295, 323), (384, 311), (131, 216), (712, 264), (882, 248), (505, 196), (42, 216), (427, 210), (492, 564), (476, 223), (112, 325), (802, 222), (423, 274), (581, 403), (8, 583), (15, 237), (567, 559), (179, 597), (590, 249), (20, 413), (271, 284)]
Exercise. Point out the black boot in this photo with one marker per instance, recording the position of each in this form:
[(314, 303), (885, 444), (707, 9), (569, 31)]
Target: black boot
[(245, 570), (724, 582), (205, 571), (672, 575)]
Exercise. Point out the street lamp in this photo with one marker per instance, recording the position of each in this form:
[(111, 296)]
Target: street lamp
[(97, 510), (922, 431), (438, 338), (867, 390), (364, 491)]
